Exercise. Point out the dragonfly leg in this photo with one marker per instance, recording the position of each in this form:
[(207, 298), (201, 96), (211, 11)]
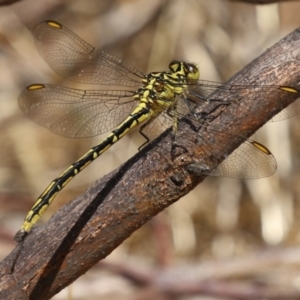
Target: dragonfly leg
[(143, 134)]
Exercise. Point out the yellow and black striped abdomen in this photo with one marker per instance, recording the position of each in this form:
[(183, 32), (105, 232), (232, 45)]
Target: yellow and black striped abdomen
[(139, 115)]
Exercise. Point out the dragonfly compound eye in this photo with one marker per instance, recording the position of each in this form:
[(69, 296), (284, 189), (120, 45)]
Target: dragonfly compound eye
[(191, 71)]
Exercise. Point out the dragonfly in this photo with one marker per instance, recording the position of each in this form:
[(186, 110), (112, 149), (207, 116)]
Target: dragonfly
[(126, 99)]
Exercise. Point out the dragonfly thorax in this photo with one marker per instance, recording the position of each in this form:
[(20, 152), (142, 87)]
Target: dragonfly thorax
[(160, 89)]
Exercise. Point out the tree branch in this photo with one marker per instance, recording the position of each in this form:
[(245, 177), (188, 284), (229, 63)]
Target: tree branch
[(91, 226)]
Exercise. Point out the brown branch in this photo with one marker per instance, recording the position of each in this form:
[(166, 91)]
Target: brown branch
[(90, 227)]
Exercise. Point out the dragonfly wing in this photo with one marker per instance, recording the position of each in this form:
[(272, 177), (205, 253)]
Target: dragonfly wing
[(292, 110), (204, 91), (250, 160), (168, 118), (157, 126), (72, 57), (75, 113)]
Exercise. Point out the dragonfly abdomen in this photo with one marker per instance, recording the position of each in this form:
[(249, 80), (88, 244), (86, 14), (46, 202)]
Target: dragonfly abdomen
[(140, 114)]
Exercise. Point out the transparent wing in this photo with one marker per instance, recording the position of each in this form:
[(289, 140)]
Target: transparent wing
[(204, 90), (250, 160), (166, 119), (292, 110), (75, 113), (157, 126), (71, 57)]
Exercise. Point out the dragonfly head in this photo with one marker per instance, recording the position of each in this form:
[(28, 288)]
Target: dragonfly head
[(190, 71)]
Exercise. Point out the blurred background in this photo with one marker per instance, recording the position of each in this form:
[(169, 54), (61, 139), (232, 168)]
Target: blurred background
[(228, 230)]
